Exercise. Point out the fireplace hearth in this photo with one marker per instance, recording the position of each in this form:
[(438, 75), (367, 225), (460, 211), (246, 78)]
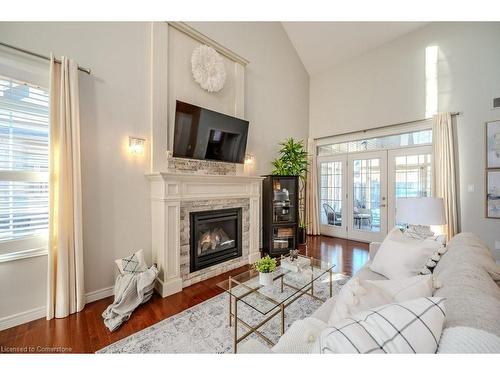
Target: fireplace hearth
[(215, 237)]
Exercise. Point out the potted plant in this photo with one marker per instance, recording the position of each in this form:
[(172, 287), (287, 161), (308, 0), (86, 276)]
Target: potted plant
[(266, 267), (293, 161)]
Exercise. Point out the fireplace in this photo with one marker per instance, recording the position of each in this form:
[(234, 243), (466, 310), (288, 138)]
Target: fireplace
[(215, 237)]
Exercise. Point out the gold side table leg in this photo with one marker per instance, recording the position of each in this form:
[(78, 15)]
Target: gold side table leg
[(282, 319), (230, 303), (281, 284), (235, 336), (331, 283), (312, 282)]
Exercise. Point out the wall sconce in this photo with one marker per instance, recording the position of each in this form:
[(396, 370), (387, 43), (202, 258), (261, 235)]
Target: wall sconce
[(136, 145), (249, 159)]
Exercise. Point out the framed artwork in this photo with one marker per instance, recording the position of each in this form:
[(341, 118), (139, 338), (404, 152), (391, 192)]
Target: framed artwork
[(493, 193), (493, 144)]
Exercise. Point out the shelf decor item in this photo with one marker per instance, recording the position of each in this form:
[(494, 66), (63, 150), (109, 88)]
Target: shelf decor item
[(266, 267), (208, 68), (493, 144), (493, 193)]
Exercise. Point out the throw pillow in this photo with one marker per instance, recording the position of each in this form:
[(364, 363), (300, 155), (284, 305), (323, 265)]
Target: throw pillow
[(134, 263), (356, 296), (428, 268), (300, 336), (400, 257), (407, 327), (406, 289)]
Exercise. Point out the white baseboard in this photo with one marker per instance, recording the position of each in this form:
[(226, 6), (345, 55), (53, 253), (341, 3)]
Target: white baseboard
[(40, 312), (22, 317), (99, 294)]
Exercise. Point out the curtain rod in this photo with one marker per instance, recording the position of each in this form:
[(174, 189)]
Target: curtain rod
[(86, 70), (384, 126)]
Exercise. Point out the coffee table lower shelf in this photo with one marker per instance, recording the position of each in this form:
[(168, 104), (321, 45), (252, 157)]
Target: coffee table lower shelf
[(234, 320)]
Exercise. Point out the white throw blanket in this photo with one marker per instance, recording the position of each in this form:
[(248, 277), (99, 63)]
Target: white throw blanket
[(131, 290)]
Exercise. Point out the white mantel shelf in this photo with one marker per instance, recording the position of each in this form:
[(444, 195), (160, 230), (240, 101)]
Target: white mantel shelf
[(168, 190)]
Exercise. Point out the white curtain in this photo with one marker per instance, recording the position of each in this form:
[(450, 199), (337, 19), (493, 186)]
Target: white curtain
[(444, 169), (312, 202), (66, 293)]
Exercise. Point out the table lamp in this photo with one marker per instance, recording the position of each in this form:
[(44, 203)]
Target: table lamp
[(419, 214)]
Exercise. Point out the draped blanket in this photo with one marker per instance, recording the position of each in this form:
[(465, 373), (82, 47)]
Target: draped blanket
[(131, 290)]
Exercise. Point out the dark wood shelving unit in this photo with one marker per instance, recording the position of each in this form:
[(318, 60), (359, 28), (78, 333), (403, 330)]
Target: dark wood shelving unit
[(280, 214)]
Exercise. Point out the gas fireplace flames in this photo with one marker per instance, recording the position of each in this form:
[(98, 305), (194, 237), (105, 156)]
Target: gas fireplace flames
[(213, 240)]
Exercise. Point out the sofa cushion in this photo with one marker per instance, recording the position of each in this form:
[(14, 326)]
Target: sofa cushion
[(468, 340), (405, 327), (468, 276), (401, 256)]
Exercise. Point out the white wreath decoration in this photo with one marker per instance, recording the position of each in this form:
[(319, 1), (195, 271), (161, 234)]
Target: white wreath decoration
[(208, 68)]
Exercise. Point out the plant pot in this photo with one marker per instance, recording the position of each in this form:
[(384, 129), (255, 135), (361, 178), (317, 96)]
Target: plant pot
[(302, 236), (266, 279)]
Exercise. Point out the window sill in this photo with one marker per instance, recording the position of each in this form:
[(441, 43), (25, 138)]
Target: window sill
[(31, 253)]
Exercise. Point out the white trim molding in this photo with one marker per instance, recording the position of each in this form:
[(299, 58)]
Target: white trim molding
[(96, 295), (202, 38), (17, 255), (168, 190), (40, 312), (22, 317)]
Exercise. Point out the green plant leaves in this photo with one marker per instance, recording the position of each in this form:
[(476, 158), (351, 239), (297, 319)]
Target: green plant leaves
[(266, 264), (293, 160)]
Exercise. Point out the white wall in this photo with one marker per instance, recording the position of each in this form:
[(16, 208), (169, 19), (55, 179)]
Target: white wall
[(276, 84), (387, 86), (115, 103)]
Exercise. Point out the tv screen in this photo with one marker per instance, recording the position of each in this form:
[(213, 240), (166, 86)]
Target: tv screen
[(207, 135)]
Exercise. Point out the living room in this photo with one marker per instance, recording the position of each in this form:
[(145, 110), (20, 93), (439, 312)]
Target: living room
[(226, 186)]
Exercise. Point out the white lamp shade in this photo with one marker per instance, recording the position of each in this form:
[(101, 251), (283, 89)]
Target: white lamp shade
[(420, 211)]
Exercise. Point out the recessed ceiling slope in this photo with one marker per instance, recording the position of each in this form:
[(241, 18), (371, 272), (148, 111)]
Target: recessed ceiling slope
[(321, 45)]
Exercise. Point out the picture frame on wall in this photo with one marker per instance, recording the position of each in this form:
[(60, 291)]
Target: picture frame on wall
[(493, 144), (493, 193)]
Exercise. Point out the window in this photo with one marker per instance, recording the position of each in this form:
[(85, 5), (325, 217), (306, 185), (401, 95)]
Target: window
[(416, 138), (24, 159)]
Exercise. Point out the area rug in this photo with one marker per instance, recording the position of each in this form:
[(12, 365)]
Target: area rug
[(204, 328)]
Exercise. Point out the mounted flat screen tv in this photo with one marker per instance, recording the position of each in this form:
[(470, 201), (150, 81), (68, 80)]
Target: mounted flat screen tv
[(207, 135)]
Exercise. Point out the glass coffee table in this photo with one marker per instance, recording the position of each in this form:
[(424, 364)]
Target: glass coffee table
[(289, 284)]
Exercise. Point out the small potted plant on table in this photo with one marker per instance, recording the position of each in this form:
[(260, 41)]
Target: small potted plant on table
[(266, 267)]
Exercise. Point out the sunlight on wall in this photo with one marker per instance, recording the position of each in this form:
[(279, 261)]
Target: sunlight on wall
[(431, 81)]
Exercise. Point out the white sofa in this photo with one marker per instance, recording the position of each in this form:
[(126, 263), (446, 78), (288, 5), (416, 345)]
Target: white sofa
[(469, 279)]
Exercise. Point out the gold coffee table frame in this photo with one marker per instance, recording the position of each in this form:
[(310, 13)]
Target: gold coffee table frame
[(308, 289)]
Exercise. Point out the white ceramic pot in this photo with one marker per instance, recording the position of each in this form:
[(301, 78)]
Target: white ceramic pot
[(266, 278)]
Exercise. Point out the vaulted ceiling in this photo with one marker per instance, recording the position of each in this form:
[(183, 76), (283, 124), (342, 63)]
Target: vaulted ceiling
[(322, 45)]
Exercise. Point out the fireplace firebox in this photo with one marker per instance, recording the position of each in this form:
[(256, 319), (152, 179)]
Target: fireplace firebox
[(215, 237)]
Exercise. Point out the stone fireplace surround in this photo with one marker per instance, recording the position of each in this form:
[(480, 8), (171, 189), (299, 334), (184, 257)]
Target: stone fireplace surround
[(173, 196)]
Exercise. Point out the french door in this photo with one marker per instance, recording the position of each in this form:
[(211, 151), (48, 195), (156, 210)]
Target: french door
[(332, 185), (367, 196), (358, 191)]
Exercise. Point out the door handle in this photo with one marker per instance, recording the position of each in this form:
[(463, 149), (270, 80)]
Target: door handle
[(382, 205)]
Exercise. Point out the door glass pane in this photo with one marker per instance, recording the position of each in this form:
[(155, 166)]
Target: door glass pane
[(331, 193), (366, 194), (413, 177)]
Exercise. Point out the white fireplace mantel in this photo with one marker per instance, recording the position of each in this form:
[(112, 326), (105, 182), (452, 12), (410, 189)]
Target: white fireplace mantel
[(168, 190)]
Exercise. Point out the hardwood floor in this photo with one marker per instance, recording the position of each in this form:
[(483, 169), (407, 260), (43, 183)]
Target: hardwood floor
[(85, 332)]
